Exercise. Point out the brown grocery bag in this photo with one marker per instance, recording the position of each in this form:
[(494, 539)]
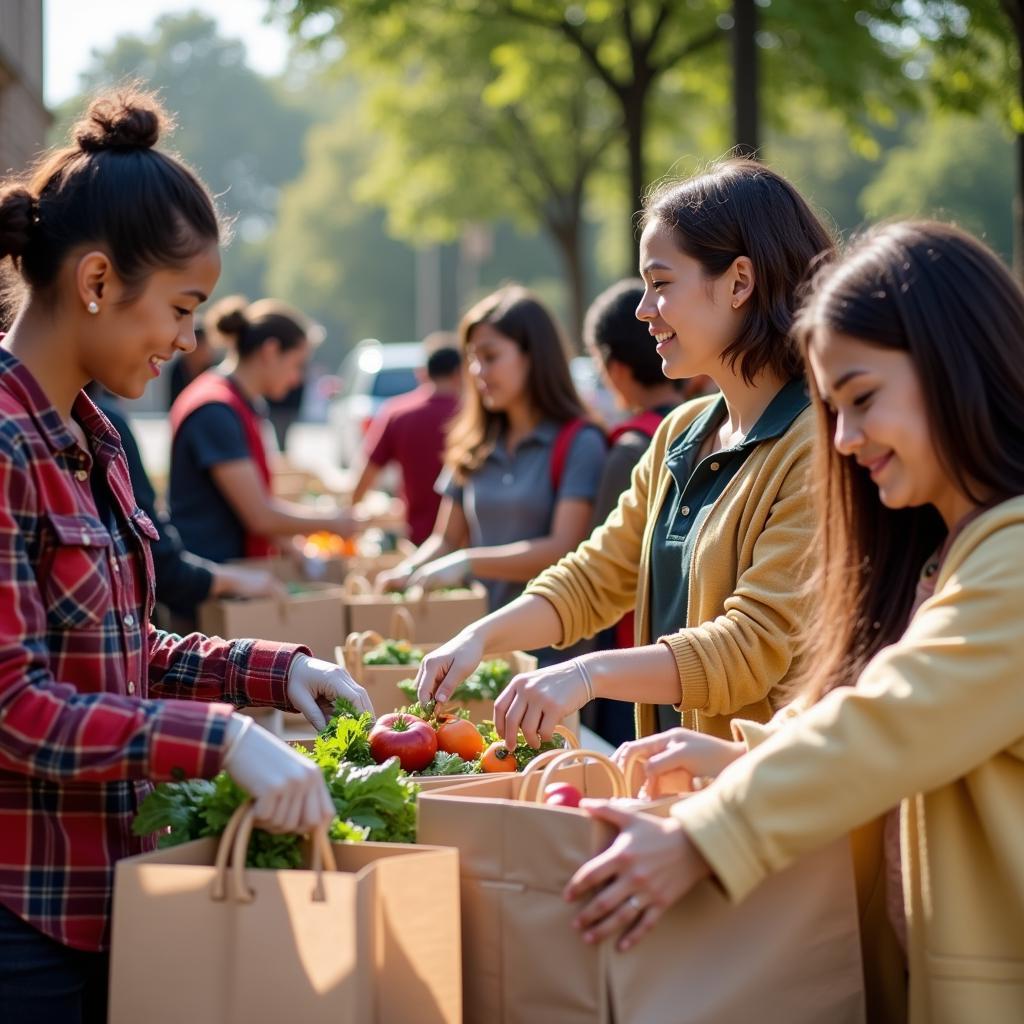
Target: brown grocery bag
[(436, 615), (789, 954), (357, 939)]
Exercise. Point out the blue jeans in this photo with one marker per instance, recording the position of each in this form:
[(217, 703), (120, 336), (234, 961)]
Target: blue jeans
[(43, 982)]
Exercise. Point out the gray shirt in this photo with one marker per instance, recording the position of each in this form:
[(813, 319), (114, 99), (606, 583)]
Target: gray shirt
[(511, 497)]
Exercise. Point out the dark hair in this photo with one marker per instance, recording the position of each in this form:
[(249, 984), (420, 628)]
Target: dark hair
[(612, 329), (741, 208), (443, 362), (941, 296), (523, 319), (108, 188), (247, 326)]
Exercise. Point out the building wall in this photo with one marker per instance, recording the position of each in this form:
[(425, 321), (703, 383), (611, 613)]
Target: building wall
[(24, 119)]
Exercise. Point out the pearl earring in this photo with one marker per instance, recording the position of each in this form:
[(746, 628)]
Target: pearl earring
[(93, 307)]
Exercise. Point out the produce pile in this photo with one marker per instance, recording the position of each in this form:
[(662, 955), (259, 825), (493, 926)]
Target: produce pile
[(393, 652), (370, 769)]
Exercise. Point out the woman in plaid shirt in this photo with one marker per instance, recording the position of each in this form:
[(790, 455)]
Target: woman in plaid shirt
[(116, 244)]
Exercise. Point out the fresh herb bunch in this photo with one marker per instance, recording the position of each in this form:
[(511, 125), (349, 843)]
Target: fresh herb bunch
[(486, 683), (393, 652), (451, 764)]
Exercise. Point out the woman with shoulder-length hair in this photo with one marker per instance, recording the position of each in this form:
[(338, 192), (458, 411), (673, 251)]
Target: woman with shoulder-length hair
[(708, 543), (522, 464), (910, 721)]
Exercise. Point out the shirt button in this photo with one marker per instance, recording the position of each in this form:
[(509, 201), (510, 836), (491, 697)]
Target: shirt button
[(131, 686), (129, 619), (507, 479), (115, 566), (80, 474), (85, 539), (685, 510), (714, 467)]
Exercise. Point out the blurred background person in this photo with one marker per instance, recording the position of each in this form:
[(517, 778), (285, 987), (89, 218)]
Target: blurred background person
[(188, 365), (183, 580), (522, 464), (410, 431), (220, 494)]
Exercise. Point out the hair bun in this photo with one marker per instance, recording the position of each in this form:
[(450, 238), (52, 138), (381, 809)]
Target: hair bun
[(17, 215), (228, 316), (130, 119)]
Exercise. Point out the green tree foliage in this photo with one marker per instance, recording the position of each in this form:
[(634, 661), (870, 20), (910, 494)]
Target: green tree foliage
[(952, 166), (241, 131), (331, 254)]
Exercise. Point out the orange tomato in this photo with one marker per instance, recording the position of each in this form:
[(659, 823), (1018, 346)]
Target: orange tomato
[(498, 758), (460, 736)]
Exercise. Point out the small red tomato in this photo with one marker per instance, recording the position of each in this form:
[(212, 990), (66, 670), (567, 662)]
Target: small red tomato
[(562, 794), (409, 739)]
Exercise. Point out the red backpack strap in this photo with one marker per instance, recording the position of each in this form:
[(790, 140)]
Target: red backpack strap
[(563, 445), (645, 423)]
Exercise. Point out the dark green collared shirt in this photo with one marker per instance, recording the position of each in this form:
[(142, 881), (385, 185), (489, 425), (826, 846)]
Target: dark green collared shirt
[(691, 496)]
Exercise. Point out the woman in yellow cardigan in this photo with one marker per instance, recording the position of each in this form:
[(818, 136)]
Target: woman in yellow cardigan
[(708, 543), (916, 342)]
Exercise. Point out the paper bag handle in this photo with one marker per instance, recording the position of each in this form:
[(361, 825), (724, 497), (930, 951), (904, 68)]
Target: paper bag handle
[(356, 585), (565, 757), (355, 651), (234, 844), (402, 625)]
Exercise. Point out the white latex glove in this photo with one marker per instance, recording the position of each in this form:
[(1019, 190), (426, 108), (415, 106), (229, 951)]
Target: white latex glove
[(314, 685), (448, 571), (235, 581), (672, 760), (447, 666), (288, 790), (537, 701), (396, 579)]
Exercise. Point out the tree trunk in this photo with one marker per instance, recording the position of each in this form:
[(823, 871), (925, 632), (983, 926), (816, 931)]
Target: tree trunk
[(569, 241), (634, 114), (746, 103), (1018, 198)]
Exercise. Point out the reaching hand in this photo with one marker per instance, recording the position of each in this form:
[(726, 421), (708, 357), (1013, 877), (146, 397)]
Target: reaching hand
[(672, 760), (288, 789), (538, 701), (235, 581), (314, 685), (447, 666), (447, 571)]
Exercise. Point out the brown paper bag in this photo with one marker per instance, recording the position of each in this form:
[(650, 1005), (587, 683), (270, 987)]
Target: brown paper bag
[(436, 615), (315, 618), (789, 954), (364, 941)]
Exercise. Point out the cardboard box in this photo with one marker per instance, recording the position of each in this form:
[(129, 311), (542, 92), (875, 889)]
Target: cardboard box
[(315, 617), (436, 615)]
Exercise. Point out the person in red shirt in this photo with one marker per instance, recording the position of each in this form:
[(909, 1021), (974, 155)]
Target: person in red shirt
[(116, 244), (410, 430)]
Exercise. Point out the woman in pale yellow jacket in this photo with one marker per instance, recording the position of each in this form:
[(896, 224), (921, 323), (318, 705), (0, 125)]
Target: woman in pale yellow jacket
[(708, 543), (916, 342)]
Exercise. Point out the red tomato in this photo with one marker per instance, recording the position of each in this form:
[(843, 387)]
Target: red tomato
[(462, 737), (562, 794), (409, 739)]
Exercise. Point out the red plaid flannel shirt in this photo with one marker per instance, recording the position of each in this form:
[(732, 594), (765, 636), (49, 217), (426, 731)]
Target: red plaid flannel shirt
[(82, 732)]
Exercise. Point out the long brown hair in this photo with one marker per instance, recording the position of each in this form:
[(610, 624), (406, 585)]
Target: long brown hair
[(738, 208), (936, 293), (522, 318)]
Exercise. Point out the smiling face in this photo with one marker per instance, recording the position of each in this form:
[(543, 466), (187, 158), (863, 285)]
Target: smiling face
[(693, 318), (498, 368), (874, 397), (127, 343)]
